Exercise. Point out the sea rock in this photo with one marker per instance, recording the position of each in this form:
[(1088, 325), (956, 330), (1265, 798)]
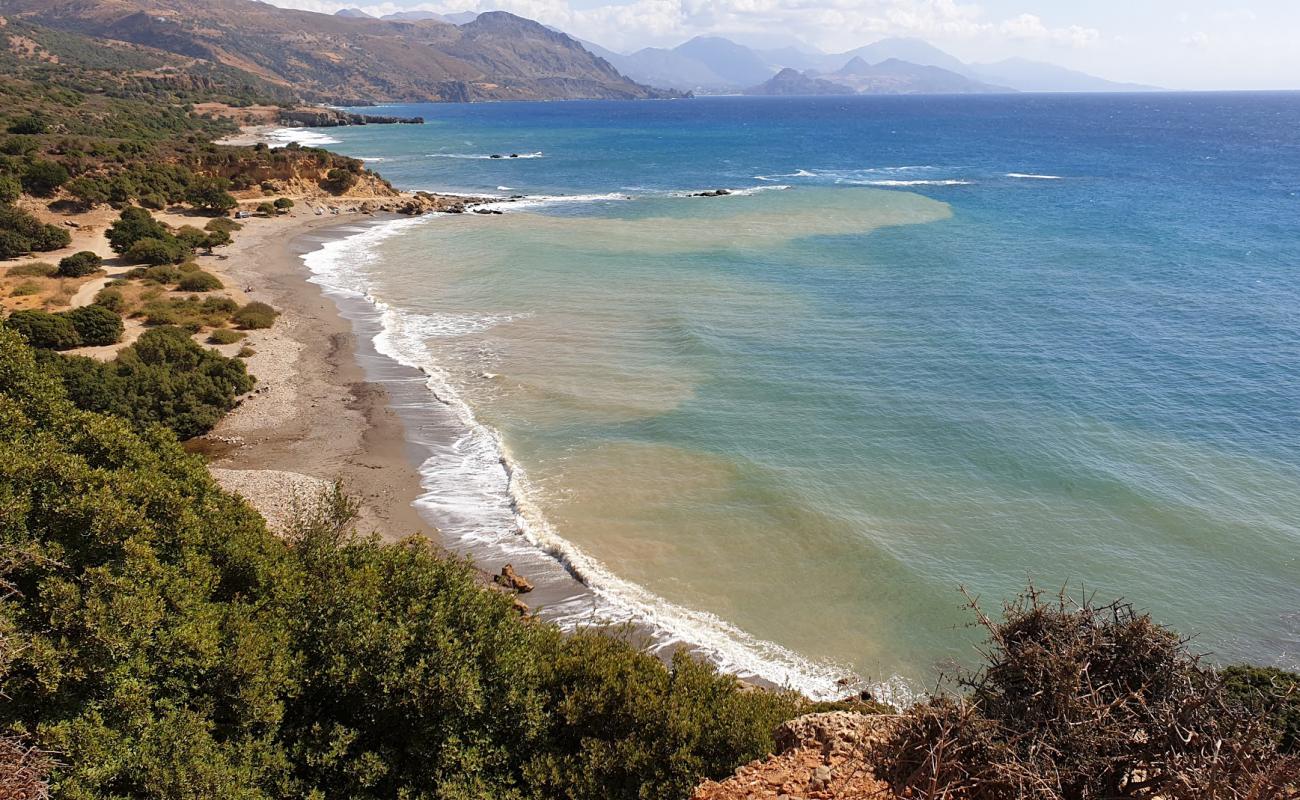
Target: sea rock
[(513, 580), (713, 193)]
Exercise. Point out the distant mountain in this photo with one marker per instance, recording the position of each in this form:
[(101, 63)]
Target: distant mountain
[(412, 16), (352, 13), (656, 66), (352, 60), (791, 82), (734, 63), (895, 76), (461, 17), (1036, 76), (858, 77), (913, 51)]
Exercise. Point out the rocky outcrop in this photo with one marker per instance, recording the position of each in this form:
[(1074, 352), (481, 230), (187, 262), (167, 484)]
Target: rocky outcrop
[(819, 757), (512, 580)]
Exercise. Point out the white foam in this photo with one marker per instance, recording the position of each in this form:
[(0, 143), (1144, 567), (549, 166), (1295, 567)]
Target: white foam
[(1031, 176), (489, 156), (479, 494), (284, 136), (951, 182), (803, 173), (741, 192), (537, 200)]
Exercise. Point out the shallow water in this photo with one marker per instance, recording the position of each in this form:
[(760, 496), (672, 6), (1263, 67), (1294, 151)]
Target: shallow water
[(930, 342)]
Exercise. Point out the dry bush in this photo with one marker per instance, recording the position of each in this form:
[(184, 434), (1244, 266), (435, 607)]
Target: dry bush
[(1079, 701), (23, 771)]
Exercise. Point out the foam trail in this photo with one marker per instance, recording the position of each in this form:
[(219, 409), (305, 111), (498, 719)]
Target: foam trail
[(472, 483), (1033, 177), (283, 136), (952, 182)]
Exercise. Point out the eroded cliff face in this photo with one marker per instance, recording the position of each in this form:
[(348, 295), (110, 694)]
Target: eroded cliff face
[(819, 757)]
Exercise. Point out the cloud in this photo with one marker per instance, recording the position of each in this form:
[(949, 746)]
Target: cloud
[(1200, 40), (828, 23)]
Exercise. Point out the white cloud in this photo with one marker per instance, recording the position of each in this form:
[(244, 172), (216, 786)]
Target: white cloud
[(1199, 40), (830, 24)]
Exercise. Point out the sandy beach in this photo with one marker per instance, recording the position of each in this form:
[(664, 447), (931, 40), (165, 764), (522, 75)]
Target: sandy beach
[(313, 418)]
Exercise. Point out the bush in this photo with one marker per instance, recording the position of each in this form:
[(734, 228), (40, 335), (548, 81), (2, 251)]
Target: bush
[(283, 204), (96, 325), (224, 336), (215, 239), (79, 265), (1272, 693), (43, 329), (34, 269), (199, 282), (30, 124), (26, 289), (223, 224), (111, 299), (10, 189), (255, 316), (266, 209), (157, 252), (245, 352), (1079, 701), (133, 225), (43, 178), (338, 180)]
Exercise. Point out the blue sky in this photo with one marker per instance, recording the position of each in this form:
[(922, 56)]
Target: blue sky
[(1182, 44)]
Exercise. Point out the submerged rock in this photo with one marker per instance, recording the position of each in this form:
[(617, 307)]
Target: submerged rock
[(713, 193)]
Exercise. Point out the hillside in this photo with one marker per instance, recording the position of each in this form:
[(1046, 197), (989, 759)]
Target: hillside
[(793, 83), (859, 77), (343, 59)]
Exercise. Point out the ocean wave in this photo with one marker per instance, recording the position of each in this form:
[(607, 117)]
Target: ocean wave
[(1031, 176), (479, 493), (803, 173), (284, 136), (538, 200), (739, 192), (947, 182), (489, 156)]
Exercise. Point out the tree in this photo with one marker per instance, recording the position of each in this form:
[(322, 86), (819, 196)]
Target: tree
[(132, 225), (211, 195), (199, 281), (79, 265), (266, 209), (96, 325), (89, 191), (156, 252), (43, 178), (283, 204), (214, 239), (43, 329)]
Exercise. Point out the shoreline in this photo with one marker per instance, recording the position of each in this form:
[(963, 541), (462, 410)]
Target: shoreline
[(313, 412)]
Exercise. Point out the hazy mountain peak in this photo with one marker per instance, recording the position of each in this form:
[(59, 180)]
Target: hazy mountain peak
[(352, 13)]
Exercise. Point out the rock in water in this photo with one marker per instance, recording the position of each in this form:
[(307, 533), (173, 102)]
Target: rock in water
[(513, 580)]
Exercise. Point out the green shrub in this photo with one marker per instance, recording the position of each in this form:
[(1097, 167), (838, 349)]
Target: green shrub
[(111, 299), (283, 204), (34, 269), (199, 282), (245, 352), (43, 178), (10, 189), (255, 315), (225, 224), (266, 209), (224, 336), (30, 124), (22, 233), (26, 289), (133, 225), (154, 201), (215, 239), (157, 252), (1272, 693), (96, 325), (79, 265), (338, 180), (43, 329)]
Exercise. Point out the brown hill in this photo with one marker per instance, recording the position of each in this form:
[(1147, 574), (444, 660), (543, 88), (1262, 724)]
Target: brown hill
[(498, 56)]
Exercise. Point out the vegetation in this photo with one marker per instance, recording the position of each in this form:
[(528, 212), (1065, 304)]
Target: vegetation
[(79, 265), (199, 281), (43, 329), (112, 299), (164, 644), (164, 378), (254, 316), (191, 312), (96, 325), (225, 336), (34, 269), (21, 233), (1078, 701), (282, 204)]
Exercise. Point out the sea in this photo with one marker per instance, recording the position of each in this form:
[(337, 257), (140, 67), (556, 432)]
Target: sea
[(925, 348)]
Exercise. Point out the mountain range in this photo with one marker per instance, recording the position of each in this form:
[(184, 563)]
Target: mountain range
[(352, 58), (897, 65)]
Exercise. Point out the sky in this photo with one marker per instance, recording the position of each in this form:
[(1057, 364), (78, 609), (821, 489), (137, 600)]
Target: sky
[(1177, 44)]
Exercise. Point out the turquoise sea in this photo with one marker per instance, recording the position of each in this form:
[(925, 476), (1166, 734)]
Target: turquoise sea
[(925, 343)]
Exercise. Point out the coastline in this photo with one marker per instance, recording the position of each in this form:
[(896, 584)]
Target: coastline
[(313, 412)]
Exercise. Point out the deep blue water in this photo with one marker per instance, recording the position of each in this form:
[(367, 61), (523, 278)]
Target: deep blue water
[(1089, 372)]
